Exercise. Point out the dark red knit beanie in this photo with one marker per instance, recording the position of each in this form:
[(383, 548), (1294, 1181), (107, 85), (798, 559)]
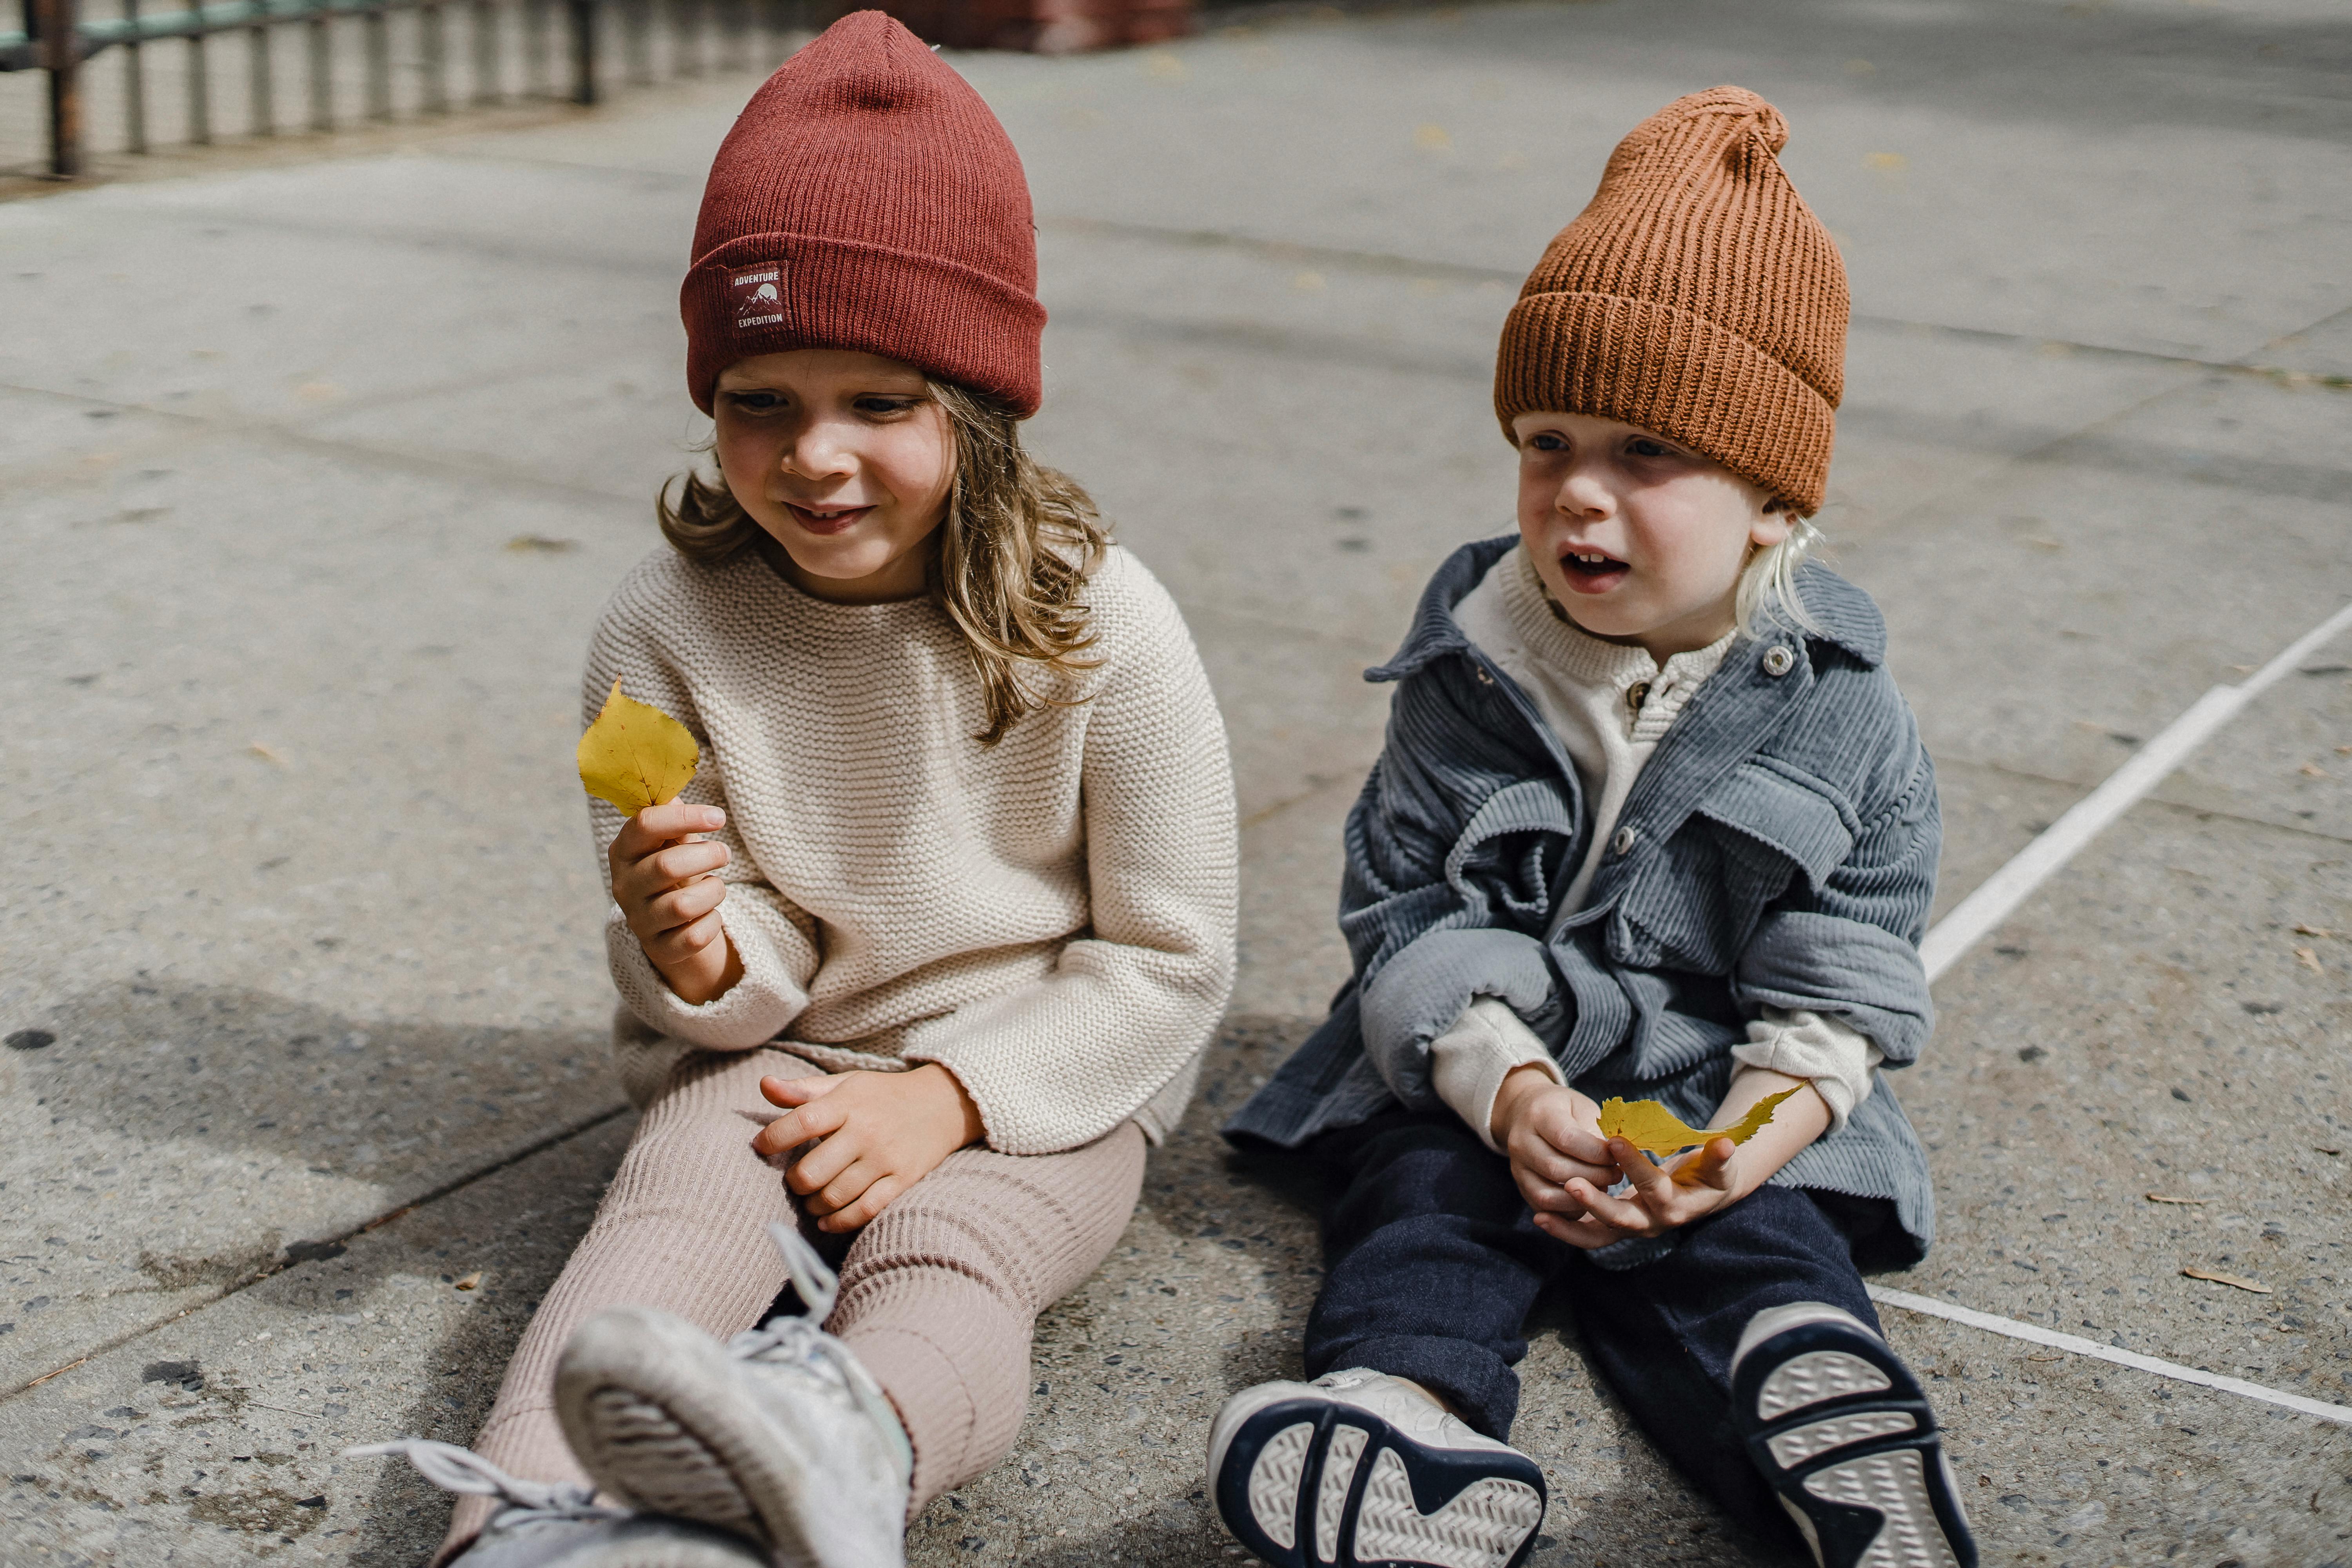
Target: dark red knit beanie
[(867, 199)]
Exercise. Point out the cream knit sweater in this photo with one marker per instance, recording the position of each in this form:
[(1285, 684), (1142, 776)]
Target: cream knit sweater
[(1051, 917)]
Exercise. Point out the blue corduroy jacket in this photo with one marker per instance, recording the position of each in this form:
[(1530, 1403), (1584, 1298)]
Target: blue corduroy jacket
[(1779, 849)]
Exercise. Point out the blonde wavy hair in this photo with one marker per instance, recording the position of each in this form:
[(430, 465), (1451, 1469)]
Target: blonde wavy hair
[(1767, 583), (1014, 553)]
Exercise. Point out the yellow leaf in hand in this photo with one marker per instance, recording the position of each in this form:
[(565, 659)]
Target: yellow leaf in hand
[(635, 755), (1651, 1127)]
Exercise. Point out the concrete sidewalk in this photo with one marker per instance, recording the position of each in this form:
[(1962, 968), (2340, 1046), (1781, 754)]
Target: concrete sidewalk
[(314, 478)]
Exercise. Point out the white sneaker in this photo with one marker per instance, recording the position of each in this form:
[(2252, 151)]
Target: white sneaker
[(1842, 1431), (544, 1526), (778, 1435), (1358, 1467)]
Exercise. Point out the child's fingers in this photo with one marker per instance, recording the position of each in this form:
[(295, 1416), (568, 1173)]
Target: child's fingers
[(821, 1166), (679, 943), (1710, 1167), (1581, 1232), (1544, 1197), (1620, 1214), (867, 1209), (845, 1188), (1545, 1158), (682, 906), (797, 1092), (790, 1131), (656, 826)]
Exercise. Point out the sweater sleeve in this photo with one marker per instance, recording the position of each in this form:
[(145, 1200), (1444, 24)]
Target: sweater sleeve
[(1837, 1058), (1470, 1061), (1131, 1001), (775, 938)]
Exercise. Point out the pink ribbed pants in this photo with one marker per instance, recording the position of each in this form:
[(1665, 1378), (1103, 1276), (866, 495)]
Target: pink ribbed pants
[(938, 1296)]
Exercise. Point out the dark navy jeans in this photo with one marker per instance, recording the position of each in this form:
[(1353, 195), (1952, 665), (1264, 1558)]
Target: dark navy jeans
[(1433, 1263)]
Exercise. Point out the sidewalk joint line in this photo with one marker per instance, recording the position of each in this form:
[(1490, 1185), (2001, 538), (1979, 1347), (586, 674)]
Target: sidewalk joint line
[(1998, 897), (2034, 1334), (456, 1183)]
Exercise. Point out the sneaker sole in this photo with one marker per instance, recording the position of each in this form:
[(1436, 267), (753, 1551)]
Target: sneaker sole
[(648, 1404), (1843, 1432), (1306, 1483)]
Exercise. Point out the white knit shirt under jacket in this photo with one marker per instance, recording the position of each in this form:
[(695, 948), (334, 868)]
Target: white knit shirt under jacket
[(1609, 704), (1050, 918)]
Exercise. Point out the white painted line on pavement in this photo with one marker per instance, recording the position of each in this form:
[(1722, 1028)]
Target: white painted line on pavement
[(2055, 1340), (1998, 896)]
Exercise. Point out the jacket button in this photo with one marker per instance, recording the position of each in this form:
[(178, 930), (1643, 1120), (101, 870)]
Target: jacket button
[(1622, 843), (1779, 661), (1484, 679)]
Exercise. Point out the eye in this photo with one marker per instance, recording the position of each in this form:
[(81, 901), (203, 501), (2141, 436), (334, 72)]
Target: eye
[(1650, 447), (1546, 441), (754, 402), (882, 405)]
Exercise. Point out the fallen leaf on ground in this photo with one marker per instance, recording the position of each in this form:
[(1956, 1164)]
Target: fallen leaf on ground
[(2313, 931), (2313, 771), (471, 1281), (635, 755), (1652, 1128), (2331, 1153), (2220, 1279), (267, 755), (540, 544), (2160, 1198), (2309, 960)]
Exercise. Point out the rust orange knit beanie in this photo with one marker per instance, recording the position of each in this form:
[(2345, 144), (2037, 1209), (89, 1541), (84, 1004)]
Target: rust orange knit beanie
[(867, 199), (1696, 296)]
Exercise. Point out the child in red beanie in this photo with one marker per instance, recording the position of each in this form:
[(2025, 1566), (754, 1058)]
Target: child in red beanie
[(941, 925)]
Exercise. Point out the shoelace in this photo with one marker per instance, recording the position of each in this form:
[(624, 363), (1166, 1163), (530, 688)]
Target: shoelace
[(800, 1343), (455, 1469)]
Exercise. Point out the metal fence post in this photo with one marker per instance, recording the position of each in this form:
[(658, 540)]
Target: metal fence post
[(61, 57), (584, 50)]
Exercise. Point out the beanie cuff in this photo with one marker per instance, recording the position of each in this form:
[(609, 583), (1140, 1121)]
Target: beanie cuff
[(950, 321), (1666, 369)]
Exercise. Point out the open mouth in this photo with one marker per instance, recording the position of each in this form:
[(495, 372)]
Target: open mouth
[(1591, 571), (826, 520)]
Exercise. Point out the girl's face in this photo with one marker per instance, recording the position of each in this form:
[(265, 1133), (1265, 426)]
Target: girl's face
[(1638, 538), (845, 458)]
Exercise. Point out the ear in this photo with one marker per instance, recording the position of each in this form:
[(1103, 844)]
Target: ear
[(1774, 521)]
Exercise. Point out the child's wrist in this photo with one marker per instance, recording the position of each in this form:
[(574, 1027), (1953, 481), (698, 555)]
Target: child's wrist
[(1520, 1087)]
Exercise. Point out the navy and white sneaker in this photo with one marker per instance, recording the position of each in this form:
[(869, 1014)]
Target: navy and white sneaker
[(1842, 1431), (1359, 1467)]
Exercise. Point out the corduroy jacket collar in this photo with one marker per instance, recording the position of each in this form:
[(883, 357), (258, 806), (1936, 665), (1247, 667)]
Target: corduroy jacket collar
[(1850, 622)]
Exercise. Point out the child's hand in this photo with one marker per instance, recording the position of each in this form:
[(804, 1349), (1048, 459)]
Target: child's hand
[(668, 888), (1689, 1187), (881, 1131), (1551, 1135)]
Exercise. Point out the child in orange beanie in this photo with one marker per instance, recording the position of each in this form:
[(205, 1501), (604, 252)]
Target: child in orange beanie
[(1652, 821), (928, 952)]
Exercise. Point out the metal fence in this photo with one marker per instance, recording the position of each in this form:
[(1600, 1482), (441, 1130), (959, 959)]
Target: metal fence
[(315, 65)]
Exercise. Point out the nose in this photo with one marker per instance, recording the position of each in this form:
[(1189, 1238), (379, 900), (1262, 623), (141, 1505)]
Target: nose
[(816, 451), (1584, 492)]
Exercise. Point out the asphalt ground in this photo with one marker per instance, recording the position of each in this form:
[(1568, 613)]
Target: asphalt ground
[(315, 475)]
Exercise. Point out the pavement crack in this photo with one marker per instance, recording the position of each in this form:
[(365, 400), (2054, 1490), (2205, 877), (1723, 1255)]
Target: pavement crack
[(279, 1265)]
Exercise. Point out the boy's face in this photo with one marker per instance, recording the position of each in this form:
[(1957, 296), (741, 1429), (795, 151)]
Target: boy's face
[(845, 458), (1638, 538)]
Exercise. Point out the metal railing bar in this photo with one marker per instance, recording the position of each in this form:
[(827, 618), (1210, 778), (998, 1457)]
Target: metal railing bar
[(261, 91), (322, 81), (200, 101), (134, 85)]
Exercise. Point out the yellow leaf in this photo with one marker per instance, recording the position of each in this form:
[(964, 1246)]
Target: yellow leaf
[(1651, 1127), (635, 755)]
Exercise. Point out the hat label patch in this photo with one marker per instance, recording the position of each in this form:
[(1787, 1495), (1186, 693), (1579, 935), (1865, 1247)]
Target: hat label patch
[(759, 294)]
